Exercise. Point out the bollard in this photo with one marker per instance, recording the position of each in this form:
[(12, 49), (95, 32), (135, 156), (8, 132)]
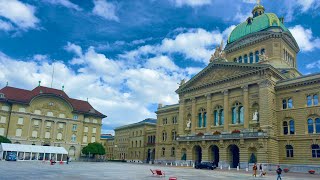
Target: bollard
[(166, 164), (181, 164), (247, 169), (171, 164), (193, 165), (237, 168), (176, 164), (187, 165), (229, 167), (220, 166)]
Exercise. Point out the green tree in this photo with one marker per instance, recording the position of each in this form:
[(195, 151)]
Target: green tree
[(4, 140), (94, 149), (253, 158)]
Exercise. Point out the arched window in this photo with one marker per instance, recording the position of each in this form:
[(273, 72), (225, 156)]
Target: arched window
[(221, 117), (257, 56), (163, 151), (263, 51), (140, 143), (240, 59), (285, 127), (251, 58), (237, 113), (136, 143), (315, 151), (164, 136), (310, 126), (291, 124), (290, 103), (218, 116), (202, 118), (174, 135), (315, 99), (289, 150), (73, 138), (317, 124), (284, 104), (309, 100), (245, 58), (173, 151)]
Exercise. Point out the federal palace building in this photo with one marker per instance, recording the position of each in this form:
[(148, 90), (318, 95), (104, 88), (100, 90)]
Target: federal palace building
[(48, 117), (249, 104)]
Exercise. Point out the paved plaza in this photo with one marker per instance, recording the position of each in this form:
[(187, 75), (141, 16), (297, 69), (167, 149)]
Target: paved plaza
[(119, 171)]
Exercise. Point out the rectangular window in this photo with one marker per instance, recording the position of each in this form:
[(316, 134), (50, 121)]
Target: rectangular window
[(93, 139), (94, 121), (94, 130), (86, 120), (5, 108), (1, 131), (22, 110), (20, 121), (18, 132), (85, 139), (35, 122), (60, 125), (284, 104), (315, 100), (34, 134), (216, 120), (3, 119), (85, 129), (75, 117), (62, 116), (38, 112), (200, 120), (74, 127), (48, 124), (47, 135), (309, 100), (49, 113)]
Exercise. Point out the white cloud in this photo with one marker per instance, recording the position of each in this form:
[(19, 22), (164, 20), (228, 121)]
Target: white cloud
[(313, 65), (192, 3), (21, 14), (65, 3), (239, 17), (250, 1), (40, 57), (6, 26), (105, 10), (161, 62), (304, 38), (305, 5)]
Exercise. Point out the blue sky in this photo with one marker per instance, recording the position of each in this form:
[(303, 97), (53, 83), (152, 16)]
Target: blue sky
[(128, 56)]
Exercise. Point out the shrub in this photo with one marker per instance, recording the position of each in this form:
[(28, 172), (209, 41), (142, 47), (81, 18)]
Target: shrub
[(235, 131), (216, 133), (4, 140), (200, 134)]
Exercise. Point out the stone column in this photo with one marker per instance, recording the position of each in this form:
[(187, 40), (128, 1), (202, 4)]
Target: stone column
[(246, 106), (182, 125), (54, 131), (226, 109), (209, 113), (193, 116), (42, 129)]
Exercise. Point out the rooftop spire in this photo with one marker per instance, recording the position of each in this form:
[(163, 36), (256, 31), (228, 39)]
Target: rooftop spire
[(258, 2), (258, 9)]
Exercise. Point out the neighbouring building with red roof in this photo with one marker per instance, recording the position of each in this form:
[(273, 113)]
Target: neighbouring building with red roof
[(48, 117)]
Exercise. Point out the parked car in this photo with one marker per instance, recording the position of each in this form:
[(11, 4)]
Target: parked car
[(205, 165)]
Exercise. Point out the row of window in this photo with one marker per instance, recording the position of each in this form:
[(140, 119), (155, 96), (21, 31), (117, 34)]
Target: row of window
[(315, 151), (313, 126), (287, 57), (151, 139), (172, 152), (174, 120), (140, 144), (253, 58), (137, 133), (173, 135), (311, 100)]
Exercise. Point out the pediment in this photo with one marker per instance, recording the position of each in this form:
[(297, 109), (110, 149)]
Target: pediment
[(220, 72)]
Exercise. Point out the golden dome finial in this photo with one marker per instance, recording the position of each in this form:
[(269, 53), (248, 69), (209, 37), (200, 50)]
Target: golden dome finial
[(258, 2)]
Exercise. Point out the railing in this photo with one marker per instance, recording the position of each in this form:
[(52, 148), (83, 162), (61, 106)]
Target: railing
[(244, 135)]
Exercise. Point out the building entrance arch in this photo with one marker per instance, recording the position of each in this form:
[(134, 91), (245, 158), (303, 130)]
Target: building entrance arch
[(234, 156), (214, 154), (197, 154)]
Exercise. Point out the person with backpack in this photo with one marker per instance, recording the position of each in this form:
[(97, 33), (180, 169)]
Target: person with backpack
[(279, 171)]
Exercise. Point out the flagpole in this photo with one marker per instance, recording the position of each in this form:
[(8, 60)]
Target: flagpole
[(52, 74)]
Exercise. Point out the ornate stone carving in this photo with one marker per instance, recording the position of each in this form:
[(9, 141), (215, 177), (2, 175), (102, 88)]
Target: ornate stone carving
[(219, 54), (265, 83)]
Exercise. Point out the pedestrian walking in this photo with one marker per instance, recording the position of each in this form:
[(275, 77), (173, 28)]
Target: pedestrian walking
[(260, 170), (254, 168), (279, 171), (68, 159)]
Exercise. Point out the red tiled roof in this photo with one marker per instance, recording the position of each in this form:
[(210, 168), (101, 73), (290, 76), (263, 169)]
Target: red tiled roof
[(17, 95)]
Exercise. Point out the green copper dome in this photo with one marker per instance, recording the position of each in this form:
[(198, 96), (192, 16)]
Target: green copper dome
[(258, 23)]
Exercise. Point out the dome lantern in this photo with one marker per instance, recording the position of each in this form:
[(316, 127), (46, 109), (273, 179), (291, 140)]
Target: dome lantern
[(258, 9)]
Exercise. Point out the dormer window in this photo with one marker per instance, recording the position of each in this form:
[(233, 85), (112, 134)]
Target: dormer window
[(50, 103), (249, 20)]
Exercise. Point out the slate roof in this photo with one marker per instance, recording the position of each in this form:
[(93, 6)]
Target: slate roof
[(23, 96)]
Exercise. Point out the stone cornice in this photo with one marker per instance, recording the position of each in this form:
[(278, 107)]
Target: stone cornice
[(256, 69), (299, 81), (259, 37)]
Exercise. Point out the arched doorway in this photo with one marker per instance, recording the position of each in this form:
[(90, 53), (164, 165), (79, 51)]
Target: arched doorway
[(252, 155), (197, 154), (149, 155), (214, 154), (183, 154), (234, 157)]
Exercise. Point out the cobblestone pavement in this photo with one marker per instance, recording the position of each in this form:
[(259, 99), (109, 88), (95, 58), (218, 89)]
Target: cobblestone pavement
[(123, 171)]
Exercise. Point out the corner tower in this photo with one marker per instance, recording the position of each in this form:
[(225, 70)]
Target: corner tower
[(264, 39)]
